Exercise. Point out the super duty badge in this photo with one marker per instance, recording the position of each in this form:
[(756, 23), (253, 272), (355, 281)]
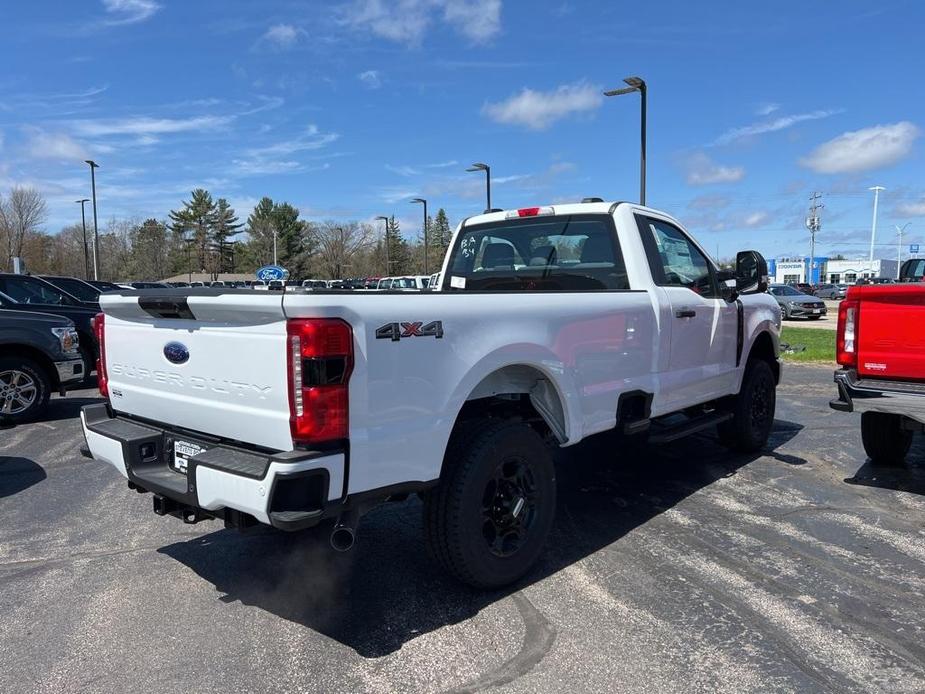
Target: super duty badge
[(396, 331)]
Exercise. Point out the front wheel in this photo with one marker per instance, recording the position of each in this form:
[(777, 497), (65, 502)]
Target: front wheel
[(783, 313), (488, 520), (885, 440), (24, 389), (752, 410)]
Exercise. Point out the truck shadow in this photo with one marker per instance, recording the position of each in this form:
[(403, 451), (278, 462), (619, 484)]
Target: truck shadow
[(18, 474), (67, 408), (386, 591), (907, 478)]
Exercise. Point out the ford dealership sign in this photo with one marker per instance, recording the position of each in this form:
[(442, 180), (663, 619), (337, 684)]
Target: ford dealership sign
[(272, 272)]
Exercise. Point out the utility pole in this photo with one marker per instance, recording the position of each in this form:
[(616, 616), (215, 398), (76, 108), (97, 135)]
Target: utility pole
[(83, 222), (873, 226), (899, 246), (96, 233), (813, 224)]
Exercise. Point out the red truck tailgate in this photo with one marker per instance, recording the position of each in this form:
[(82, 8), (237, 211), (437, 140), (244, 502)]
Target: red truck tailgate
[(891, 330)]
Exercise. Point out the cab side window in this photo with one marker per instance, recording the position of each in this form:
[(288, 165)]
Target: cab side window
[(674, 259)]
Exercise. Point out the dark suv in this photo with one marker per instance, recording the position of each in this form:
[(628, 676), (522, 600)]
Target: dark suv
[(28, 293), (39, 353)]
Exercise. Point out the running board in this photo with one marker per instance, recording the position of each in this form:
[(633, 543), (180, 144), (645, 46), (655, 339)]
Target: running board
[(692, 426)]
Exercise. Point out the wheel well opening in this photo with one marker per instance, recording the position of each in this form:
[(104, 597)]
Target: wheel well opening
[(36, 355), (763, 348), (517, 392)]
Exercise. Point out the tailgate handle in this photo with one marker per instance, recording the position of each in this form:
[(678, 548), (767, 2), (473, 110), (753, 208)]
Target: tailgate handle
[(685, 313), (166, 307)]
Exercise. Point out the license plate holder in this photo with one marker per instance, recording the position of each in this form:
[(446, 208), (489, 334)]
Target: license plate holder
[(181, 451), (817, 310)]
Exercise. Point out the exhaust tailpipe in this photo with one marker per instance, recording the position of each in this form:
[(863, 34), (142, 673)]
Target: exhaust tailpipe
[(342, 538)]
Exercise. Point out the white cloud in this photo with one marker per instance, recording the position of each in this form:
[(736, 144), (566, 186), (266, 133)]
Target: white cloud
[(145, 126), (911, 209), (766, 109), (311, 139), (403, 170), (58, 146), (281, 36), (701, 171), (755, 219), (370, 78), (478, 21), (538, 110), (129, 11), (769, 126), (406, 21), (862, 150), (442, 164)]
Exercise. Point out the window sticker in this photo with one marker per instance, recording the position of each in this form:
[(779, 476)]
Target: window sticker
[(458, 282)]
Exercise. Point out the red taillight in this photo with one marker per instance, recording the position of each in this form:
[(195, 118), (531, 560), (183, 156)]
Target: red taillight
[(846, 340), (320, 358), (528, 211), (98, 323)]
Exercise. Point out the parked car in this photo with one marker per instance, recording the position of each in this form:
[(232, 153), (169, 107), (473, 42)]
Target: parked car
[(105, 286), (642, 334), (831, 291), (433, 283), (149, 285), (314, 284), (86, 293), (177, 285), (28, 293), (882, 372), (795, 304), (39, 353)]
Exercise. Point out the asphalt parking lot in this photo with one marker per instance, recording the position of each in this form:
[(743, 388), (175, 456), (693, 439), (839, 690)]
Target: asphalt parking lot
[(680, 568)]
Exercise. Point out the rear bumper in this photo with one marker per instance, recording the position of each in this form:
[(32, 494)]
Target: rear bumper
[(874, 395), (289, 490)]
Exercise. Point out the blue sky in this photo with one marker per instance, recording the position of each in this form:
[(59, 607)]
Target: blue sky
[(348, 109)]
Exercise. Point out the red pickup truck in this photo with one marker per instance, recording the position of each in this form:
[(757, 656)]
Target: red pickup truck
[(880, 346)]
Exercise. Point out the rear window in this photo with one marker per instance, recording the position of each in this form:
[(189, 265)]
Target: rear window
[(576, 252)]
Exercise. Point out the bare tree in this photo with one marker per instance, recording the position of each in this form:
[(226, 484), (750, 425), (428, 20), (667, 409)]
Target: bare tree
[(339, 243), (21, 215)]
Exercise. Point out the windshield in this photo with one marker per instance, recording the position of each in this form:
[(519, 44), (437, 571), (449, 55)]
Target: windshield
[(785, 291), (28, 290), (539, 254), (75, 287)]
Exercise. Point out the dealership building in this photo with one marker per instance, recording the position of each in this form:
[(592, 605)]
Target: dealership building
[(826, 271)]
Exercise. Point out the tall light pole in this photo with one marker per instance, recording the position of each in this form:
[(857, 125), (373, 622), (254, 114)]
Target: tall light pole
[(96, 234), (424, 202), (637, 84), (479, 166), (388, 253), (899, 246), (83, 222), (873, 224)]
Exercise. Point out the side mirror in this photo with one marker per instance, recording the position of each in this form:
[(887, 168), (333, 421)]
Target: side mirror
[(751, 273)]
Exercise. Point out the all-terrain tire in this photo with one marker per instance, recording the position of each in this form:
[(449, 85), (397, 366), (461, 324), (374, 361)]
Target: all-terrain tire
[(752, 410), (885, 440), (487, 521)]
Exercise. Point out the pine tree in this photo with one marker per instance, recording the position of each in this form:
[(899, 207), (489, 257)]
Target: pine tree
[(225, 226), (260, 228), (441, 233), (196, 216), (399, 253)]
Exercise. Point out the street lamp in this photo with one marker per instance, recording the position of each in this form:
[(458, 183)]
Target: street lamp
[(388, 253), (479, 166), (873, 225), (637, 84), (899, 246), (424, 202), (96, 233), (83, 222)]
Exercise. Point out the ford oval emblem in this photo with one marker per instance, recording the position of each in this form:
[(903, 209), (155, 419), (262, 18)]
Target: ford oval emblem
[(176, 353)]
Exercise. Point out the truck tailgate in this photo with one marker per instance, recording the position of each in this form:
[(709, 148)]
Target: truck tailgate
[(226, 370), (891, 330)]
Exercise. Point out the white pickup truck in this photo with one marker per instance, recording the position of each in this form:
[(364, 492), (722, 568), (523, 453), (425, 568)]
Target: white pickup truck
[(551, 324)]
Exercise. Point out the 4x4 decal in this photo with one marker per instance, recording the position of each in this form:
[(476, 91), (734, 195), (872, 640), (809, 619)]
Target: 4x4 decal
[(396, 331)]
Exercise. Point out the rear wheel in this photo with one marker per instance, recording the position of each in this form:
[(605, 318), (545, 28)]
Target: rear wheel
[(783, 313), (885, 440), (24, 389), (488, 520), (752, 410)]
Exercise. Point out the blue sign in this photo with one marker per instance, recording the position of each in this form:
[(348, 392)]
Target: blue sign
[(914, 248), (272, 272)]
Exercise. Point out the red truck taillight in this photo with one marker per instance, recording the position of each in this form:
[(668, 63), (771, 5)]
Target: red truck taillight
[(98, 323), (320, 358), (846, 340)]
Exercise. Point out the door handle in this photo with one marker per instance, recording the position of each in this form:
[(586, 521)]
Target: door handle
[(685, 313)]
